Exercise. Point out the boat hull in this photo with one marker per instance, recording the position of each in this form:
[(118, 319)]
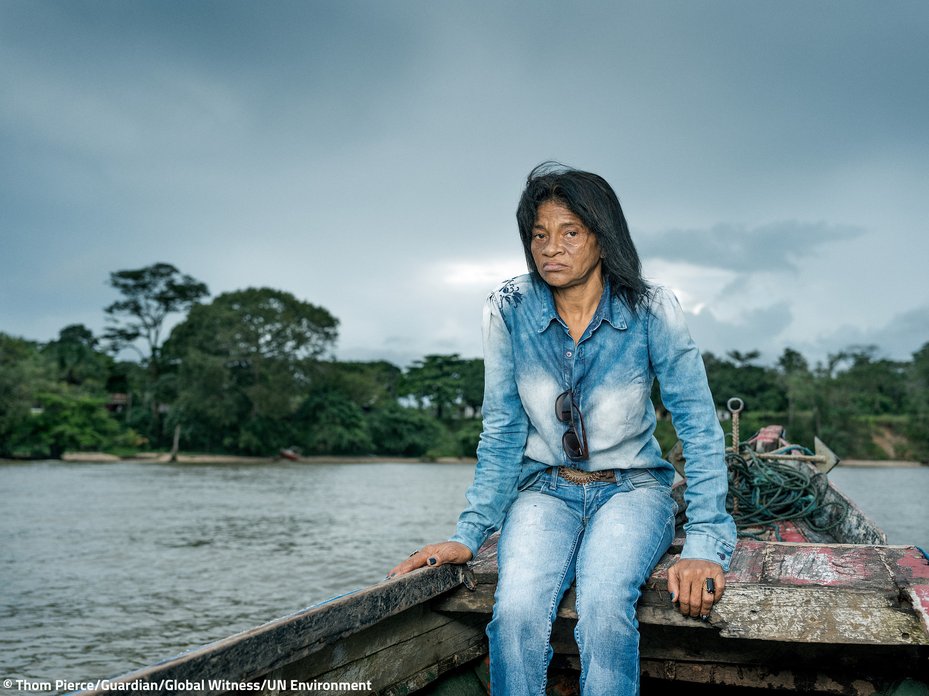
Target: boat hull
[(816, 613)]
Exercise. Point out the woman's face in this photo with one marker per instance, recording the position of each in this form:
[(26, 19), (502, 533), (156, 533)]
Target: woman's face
[(565, 251)]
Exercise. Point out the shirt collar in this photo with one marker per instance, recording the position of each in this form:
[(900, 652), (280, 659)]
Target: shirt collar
[(609, 309)]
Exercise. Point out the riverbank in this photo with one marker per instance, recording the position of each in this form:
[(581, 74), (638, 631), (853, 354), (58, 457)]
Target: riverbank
[(164, 458), (882, 463)]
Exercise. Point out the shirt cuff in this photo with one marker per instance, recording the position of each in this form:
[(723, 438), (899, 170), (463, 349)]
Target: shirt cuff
[(471, 536), (704, 547)]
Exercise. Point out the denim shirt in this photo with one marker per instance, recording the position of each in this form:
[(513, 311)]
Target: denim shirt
[(530, 358)]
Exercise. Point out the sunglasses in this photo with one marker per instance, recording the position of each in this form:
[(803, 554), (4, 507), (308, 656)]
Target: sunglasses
[(565, 409)]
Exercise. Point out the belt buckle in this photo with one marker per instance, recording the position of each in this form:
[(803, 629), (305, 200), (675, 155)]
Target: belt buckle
[(580, 477)]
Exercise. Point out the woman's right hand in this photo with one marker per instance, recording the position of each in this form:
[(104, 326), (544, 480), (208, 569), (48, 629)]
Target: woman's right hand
[(433, 555)]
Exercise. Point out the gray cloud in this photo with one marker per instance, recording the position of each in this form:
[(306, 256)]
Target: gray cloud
[(341, 151), (764, 329), (901, 336), (757, 329), (774, 247)]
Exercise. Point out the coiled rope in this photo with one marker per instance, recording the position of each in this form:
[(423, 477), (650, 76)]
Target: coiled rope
[(765, 492)]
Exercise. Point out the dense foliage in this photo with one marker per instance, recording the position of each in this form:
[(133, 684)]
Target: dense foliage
[(250, 372)]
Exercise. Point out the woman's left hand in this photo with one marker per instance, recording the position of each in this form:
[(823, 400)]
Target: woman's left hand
[(687, 583)]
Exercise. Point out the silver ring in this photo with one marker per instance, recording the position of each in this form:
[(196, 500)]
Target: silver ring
[(415, 552)]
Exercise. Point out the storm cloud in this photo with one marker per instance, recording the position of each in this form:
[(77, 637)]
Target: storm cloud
[(368, 156)]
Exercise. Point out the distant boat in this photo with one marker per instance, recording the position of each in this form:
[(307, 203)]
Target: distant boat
[(819, 612)]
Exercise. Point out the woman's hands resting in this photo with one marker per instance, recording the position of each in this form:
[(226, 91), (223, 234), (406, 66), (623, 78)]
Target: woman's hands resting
[(433, 555), (686, 578), (687, 585)]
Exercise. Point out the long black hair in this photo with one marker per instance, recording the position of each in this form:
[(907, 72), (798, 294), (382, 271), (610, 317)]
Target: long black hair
[(593, 200)]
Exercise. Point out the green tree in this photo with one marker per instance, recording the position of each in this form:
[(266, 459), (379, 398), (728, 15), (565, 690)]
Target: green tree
[(472, 384), (917, 379), (369, 385), (149, 296), (436, 382), (329, 424), (24, 372), (402, 431), (79, 361), (757, 386), (244, 364), (798, 386), (71, 421), (869, 384)]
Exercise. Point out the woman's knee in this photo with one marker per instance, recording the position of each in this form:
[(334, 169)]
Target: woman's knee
[(521, 613)]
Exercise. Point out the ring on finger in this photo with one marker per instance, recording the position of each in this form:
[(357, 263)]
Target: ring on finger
[(415, 552), (711, 585)]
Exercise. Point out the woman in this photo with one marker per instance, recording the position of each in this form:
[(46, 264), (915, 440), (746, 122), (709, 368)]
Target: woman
[(568, 467)]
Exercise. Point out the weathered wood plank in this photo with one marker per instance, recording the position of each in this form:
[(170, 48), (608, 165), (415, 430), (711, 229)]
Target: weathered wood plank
[(919, 597), (407, 626), (669, 653), (756, 676), (815, 615), (814, 593), (261, 650), (432, 673), (484, 567), (853, 525), (403, 664), (859, 567)]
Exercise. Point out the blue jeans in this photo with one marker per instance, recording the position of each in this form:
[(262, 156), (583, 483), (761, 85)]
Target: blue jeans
[(607, 536)]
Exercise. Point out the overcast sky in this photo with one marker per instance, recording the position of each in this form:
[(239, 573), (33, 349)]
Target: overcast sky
[(772, 158)]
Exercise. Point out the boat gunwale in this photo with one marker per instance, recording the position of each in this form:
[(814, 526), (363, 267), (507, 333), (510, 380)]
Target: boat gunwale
[(259, 650)]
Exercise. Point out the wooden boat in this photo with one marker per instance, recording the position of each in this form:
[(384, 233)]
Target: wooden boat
[(839, 612)]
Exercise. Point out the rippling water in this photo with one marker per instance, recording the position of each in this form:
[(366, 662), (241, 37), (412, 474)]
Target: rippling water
[(897, 500), (110, 567)]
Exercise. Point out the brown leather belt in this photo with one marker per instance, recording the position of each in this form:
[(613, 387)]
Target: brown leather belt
[(580, 477)]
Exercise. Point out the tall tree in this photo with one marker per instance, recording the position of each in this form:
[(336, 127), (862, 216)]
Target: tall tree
[(24, 371), (919, 381), (150, 294), (918, 426), (797, 381), (472, 384), (246, 361), (436, 381)]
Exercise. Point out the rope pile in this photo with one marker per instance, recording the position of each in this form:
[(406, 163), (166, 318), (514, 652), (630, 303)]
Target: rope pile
[(765, 492)]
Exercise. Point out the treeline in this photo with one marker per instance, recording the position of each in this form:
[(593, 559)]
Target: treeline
[(861, 405), (247, 372), (251, 372)]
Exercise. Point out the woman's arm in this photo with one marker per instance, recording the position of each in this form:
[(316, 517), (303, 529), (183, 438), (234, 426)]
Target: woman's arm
[(499, 453), (503, 438), (711, 533)]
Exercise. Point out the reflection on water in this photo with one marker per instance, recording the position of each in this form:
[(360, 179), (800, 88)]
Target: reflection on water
[(110, 567)]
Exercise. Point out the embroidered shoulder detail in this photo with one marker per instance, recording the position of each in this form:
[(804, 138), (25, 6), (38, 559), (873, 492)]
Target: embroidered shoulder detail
[(507, 293), (654, 295)]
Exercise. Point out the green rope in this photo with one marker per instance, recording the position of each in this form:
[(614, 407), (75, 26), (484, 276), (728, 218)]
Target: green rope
[(765, 492)]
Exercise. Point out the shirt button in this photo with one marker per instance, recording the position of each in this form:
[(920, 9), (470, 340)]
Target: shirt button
[(568, 354)]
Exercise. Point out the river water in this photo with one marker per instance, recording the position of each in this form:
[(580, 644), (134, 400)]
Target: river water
[(110, 567)]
